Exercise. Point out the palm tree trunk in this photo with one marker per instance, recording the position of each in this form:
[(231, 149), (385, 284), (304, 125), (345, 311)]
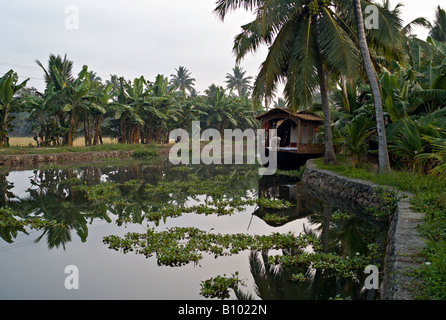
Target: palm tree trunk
[(383, 154), (329, 155)]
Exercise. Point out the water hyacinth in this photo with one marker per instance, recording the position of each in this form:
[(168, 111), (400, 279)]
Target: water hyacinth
[(11, 219), (182, 245), (218, 287)]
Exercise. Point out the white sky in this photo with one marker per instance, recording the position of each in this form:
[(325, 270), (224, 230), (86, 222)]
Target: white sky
[(137, 37)]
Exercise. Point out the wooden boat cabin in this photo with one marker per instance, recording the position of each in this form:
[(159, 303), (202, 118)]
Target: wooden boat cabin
[(295, 132)]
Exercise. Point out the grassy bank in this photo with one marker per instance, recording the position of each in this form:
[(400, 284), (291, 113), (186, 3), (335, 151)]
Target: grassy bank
[(30, 142), (110, 146), (429, 197)]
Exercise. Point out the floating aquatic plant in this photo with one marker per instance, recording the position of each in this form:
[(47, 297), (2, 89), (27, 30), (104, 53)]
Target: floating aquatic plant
[(274, 203), (275, 218), (218, 287), (182, 245), (10, 218)]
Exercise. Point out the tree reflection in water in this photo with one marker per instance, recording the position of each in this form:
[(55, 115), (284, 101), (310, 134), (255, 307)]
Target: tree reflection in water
[(61, 194)]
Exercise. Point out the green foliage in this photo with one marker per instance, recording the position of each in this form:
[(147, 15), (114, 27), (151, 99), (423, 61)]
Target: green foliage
[(274, 203), (238, 81), (433, 273), (388, 204), (299, 278), (339, 215), (275, 218), (182, 245), (291, 173), (352, 138), (429, 197), (9, 102), (343, 266), (102, 192), (11, 219), (133, 111), (218, 287), (145, 154)]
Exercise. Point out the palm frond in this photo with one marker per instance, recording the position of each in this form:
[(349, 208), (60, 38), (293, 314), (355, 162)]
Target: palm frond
[(338, 49), (302, 76)]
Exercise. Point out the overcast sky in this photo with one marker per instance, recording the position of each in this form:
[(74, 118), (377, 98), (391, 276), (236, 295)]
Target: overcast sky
[(136, 37)]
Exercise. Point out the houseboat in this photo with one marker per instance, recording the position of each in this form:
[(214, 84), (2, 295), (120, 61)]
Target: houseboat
[(295, 131)]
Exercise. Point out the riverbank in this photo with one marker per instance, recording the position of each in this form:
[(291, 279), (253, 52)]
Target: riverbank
[(424, 222), (25, 156)]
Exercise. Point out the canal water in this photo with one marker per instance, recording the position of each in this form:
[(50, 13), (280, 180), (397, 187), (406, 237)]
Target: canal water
[(34, 261)]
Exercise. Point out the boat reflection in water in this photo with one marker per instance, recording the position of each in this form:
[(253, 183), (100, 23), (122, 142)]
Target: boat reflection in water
[(342, 233)]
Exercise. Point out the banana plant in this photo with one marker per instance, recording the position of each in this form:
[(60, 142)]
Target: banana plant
[(9, 102), (42, 116), (100, 101), (128, 110), (73, 95)]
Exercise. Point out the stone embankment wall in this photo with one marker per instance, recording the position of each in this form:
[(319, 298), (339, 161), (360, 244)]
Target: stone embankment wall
[(404, 242), (35, 159)]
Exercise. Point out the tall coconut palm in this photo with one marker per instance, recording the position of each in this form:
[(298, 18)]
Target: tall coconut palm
[(64, 68), (383, 155), (307, 43), (438, 30), (73, 96), (182, 80), (238, 81)]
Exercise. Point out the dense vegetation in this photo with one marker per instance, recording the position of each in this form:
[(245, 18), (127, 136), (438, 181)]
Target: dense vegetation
[(430, 198), (326, 72), (133, 111), (382, 98)]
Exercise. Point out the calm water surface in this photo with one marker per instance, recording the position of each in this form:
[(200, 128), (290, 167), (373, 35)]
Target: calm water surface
[(32, 262)]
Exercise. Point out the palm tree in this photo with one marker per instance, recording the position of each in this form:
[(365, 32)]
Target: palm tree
[(383, 155), (238, 81), (307, 42), (59, 72), (64, 68), (182, 80), (73, 96), (438, 30), (353, 138), (412, 141), (439, 156)]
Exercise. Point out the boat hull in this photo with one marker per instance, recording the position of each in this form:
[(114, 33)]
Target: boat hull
[(292, 160)]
